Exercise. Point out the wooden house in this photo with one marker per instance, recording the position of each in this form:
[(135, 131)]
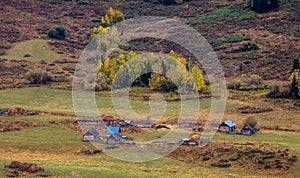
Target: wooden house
[(114, 139), (142, 123), (111, 121), (227, 126), (89, 122), (91, 135), (186, 125), (248, 130)]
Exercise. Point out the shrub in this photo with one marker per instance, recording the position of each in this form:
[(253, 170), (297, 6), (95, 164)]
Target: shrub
[(60, 79), (220, 164), (57, 33), (262, 6), (251, 121), (161, 83), (247, 82), (274, 92), (38, 77), (293, 158), (249, 46), (102, 83), (235, 157), (27, 55)]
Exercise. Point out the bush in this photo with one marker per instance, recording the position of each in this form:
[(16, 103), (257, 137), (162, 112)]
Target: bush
[(220, 164), (102, 83), (57, 33), (249, 46), (27, 55), (251, 121), (38, 77), (274, 92), (235, 157), (247, 82), (159, 82), (262, 6)]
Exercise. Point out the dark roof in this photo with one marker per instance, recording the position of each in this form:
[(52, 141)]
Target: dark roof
[(249, 127), (113, 130), (115, 136), (92, 131)]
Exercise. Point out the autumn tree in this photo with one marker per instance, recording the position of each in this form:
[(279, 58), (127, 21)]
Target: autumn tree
[(295, 84), (198, 78), (112, 17)]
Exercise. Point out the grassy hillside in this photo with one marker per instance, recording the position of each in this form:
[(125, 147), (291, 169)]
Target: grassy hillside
[(245, 42), (56, 146), (35, 50)]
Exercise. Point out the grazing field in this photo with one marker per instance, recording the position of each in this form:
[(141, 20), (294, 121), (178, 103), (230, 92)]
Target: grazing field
[(57, 147), (32, 50)]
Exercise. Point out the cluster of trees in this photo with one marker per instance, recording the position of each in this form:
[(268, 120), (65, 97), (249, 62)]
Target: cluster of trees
[(112, 17), (262, 6), (172, 74)]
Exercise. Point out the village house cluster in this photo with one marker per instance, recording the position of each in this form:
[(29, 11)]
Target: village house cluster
[(113, 131)]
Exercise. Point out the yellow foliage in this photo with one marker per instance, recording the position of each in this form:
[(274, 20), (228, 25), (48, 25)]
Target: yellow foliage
[(98, 30), (131, 54), (121, 59), (198, 77), (297, 77), (111, 11), (103, 20), (181, 60), (173, 54)]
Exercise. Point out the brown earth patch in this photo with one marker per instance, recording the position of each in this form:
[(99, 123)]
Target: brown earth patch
[(7, 126), (19, 168), (259, 158), (251, 110)]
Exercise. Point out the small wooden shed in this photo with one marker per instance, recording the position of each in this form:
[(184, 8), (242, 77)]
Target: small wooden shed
[(114, 139), (248, 130), (227, 126), (91, 135), (186, 125)]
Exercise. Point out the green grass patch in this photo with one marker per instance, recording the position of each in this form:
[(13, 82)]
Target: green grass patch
[(34, 50), (232, 39), (54, 100), (227, 13), (48, 139)]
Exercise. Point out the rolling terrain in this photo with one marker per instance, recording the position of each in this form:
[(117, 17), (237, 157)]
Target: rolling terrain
[(246, 43)]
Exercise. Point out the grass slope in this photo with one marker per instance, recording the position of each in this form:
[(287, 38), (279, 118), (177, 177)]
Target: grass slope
[(34, 50), (54, 100)]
